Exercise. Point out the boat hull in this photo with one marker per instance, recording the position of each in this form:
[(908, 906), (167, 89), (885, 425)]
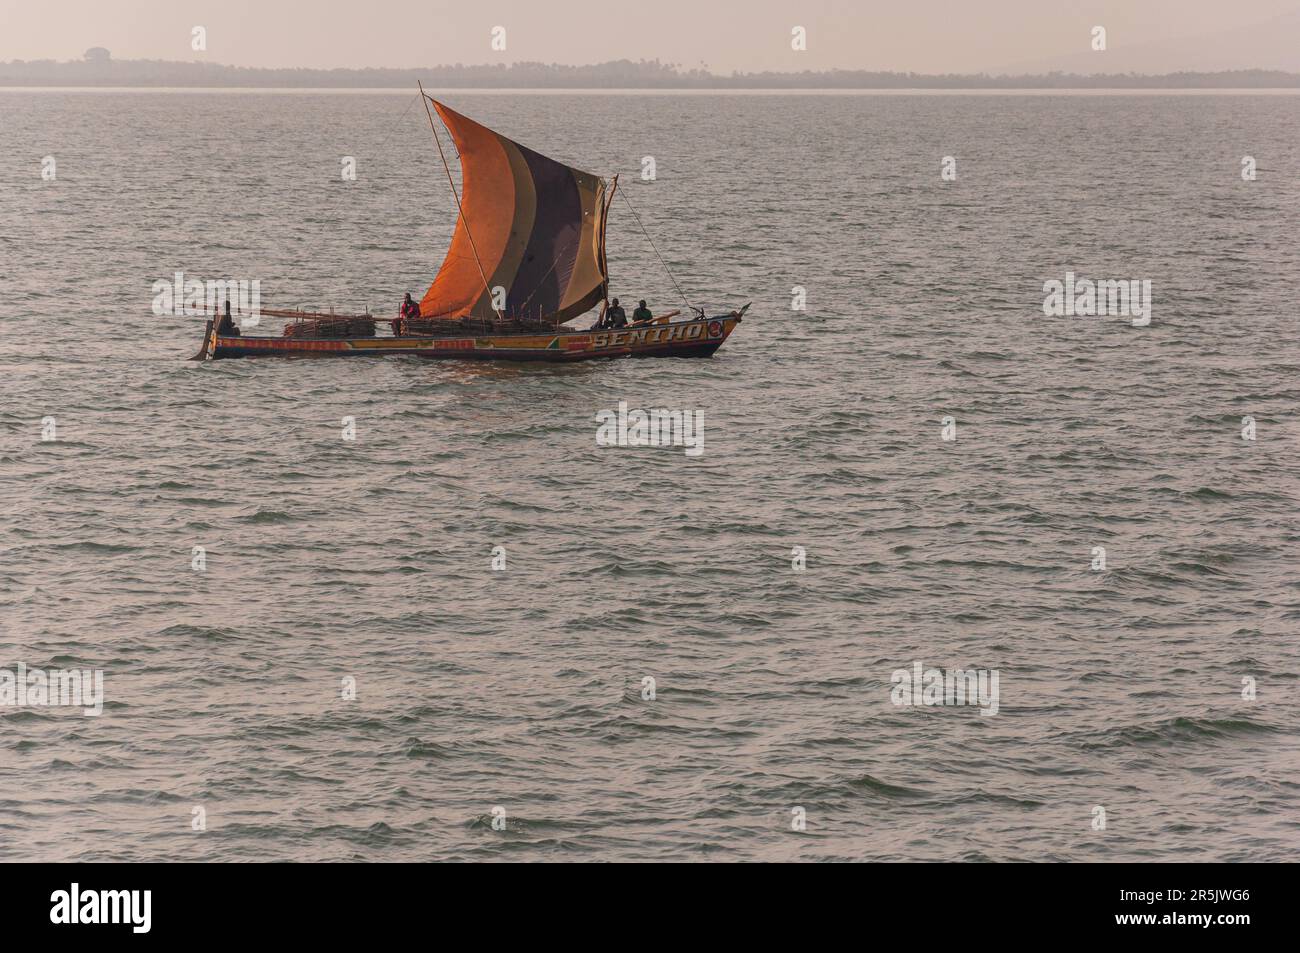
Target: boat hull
[(697, 338)]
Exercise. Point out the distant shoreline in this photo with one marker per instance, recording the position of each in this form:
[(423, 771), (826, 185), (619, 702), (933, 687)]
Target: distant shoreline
[(99, 70), (642, 91)]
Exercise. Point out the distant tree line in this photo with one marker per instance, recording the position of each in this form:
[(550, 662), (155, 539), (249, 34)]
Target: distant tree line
[(101, 70)]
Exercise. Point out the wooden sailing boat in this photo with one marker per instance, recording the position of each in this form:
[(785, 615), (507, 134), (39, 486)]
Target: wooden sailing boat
[(528, 254)]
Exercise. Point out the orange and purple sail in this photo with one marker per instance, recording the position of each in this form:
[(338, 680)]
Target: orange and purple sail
[(530, 225)]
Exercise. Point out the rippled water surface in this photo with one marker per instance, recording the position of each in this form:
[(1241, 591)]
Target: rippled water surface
[(523, 689)]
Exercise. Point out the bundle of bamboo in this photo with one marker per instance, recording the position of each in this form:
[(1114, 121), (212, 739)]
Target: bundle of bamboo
[(469, 325), (344, 326)]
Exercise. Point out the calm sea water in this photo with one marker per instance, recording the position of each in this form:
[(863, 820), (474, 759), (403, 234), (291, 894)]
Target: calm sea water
[(522, 690)]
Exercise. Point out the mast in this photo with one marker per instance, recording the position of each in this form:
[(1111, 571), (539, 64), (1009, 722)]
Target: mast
[(604, 223), (424, 97), (605, 264)]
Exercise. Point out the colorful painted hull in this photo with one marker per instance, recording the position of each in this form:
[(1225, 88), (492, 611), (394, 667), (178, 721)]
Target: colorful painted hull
[(697, 338)]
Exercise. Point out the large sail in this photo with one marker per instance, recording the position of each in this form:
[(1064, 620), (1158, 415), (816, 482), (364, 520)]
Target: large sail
[(537, 226)]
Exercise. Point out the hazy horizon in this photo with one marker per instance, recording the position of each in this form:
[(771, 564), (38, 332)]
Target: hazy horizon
[(1000, 36)]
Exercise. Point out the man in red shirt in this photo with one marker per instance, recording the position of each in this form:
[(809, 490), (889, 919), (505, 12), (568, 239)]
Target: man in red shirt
[(409, 311)]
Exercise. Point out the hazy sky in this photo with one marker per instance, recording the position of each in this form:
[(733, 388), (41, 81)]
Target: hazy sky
[(921, 35)]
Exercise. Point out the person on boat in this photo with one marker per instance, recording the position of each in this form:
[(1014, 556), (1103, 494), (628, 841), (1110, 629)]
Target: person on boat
[(226, 326), (410, 310), (642, 313), (615, 317)]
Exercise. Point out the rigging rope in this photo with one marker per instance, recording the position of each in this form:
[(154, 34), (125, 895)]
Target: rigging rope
[(656, 251)]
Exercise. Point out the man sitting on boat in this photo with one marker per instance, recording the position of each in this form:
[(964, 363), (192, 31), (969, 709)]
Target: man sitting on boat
[(410, 310), (615, 317), (226, 326), (642, 313)]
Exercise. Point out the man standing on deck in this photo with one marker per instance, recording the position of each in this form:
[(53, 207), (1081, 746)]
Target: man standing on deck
[(642, 313), (615, 317), (410, 310), (226, 326)]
